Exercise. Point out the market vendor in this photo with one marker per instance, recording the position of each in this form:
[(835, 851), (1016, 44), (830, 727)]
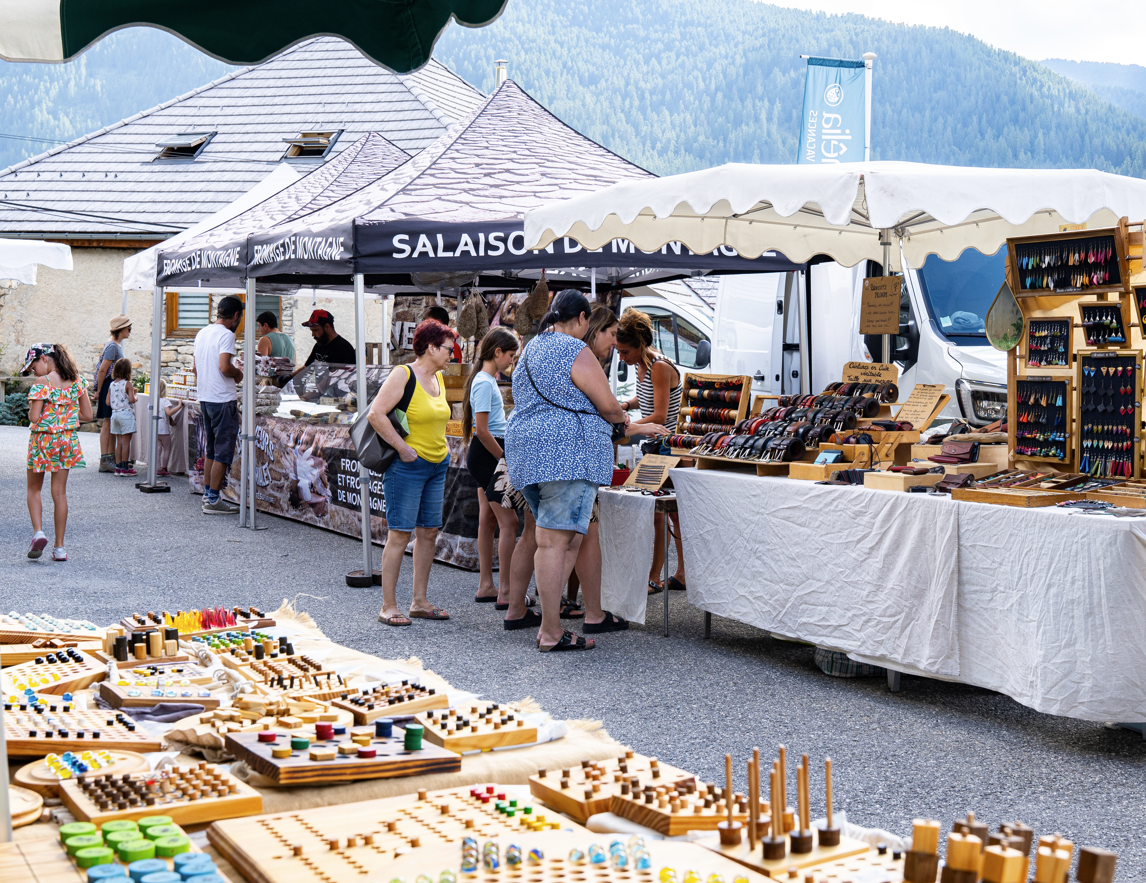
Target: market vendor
[(329, 346), (273, 342)]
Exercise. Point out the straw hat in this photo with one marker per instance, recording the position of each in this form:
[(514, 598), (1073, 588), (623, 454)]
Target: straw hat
[(118, 323)]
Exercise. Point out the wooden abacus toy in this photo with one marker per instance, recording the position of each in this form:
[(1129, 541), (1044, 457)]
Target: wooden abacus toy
[(24, 628), (145, 686), (62, 672), (39, 728), (362, 840), (390, 701), (782, 840), (588, 789), (188, 795), (337, 754), (477, 726)]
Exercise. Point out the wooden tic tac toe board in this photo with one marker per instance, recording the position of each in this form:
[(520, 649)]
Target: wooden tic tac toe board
[(189, 795), (477, 726), (391, 701), (360, 841), (588, 789), (79, 670), (29, 733), (338, 759)]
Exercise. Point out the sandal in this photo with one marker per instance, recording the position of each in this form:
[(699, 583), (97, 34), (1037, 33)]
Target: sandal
[(530, 619), (485, 599), (569, 641), (676, 585), (396, 619), (435, 613), (571, 609), (654, 589), (611, 623), (530, 601)]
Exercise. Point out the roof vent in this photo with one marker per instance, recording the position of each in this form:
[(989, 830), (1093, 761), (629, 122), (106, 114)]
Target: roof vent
[(184, 146), (310, 145)]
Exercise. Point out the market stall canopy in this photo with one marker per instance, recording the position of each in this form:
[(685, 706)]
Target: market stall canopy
[(216, 249), (456, 209), (839, 210), (19, 258), (399, 34)]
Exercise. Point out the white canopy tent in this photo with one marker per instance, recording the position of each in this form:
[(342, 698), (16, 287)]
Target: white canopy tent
[(19, 258), (848, 212)]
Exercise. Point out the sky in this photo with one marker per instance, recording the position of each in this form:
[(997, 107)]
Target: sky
[(1111, 31)]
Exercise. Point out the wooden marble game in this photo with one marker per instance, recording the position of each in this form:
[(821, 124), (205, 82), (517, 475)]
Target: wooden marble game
[(24, 628), (390, 701), (477, 726), (329, 753), (187, 795), (56, 673), (44, 778), (361, 841), (145, 686), (40, 728), (588, 789)]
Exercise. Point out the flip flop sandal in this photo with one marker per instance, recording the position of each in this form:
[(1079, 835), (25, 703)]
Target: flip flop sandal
[(654, 589), (436, 613), (571, 609), (530, 619), (611, 623), (395, 620), (569, 641), (489, 599), (676, 585)]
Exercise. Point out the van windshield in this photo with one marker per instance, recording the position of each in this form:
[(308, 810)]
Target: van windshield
[(958, 293)]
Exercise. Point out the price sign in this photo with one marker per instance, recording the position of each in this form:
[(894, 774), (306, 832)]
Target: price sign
[(921, 406), (879, 308), (869, 372)]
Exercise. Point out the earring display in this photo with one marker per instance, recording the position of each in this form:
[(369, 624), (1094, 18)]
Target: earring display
[(1140, 301), (1102, 324), (1049, 343), (1042, 418), (1109, 414), (1068, 266)]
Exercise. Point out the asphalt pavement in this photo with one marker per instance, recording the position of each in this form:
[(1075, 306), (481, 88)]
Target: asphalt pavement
[(932, 750)]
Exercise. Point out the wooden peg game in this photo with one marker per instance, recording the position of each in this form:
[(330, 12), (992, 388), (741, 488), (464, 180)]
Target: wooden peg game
[(284, 672), (391, 701), (477, 726), (14, 654), (362, 840), (588, 789), (207, 621), (145, 686), (52, 673), (24, 628), (686, 805), (328, 753), (189, 795), (38, 776), (60, 728)]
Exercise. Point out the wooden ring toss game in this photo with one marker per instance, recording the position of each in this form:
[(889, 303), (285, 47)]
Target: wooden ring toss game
[(588, 789), (354, 841), (478, 726)]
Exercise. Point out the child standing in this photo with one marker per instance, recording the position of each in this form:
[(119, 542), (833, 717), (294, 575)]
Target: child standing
[(56, 405), (121, 398), (170, 410)]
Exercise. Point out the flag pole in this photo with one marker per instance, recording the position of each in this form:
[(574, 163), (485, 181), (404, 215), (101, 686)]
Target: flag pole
[(868, 59)]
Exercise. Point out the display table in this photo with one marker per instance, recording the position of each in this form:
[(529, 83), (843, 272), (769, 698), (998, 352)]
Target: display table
[(1047, 606), (627, 535), (177, 463)]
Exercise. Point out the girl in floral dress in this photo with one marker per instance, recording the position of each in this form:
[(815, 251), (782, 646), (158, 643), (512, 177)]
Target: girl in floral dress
[(57, 403)]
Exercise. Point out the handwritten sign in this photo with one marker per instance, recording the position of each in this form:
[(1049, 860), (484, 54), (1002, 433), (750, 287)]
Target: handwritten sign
[(869, 372), (922, 405), (879, 307), (651, 472)]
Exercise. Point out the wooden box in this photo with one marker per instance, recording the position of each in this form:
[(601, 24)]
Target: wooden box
[(1023, 498), (897, 481), (1021, 280), (996, 454), (1129, 495), (855, 457)]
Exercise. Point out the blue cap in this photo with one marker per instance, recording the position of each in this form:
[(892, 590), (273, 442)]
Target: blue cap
[(162, 877), (140, 869), (187, 858), (106, 872)]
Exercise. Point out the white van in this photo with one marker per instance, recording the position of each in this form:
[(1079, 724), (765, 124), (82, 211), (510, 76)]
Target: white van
[(754, 324)]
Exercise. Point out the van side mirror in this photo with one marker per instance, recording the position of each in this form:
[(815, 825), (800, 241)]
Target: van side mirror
[(703, 354)]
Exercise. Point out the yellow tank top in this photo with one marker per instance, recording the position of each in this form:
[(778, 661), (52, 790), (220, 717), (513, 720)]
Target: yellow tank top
[(427, 417)]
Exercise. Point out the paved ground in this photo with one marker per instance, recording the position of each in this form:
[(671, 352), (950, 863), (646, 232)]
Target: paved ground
[(933, 750)]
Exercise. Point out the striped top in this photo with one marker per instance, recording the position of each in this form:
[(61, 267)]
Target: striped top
[(645, 395)]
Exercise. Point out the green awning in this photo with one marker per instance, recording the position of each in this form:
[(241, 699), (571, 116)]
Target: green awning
[(399, 34)]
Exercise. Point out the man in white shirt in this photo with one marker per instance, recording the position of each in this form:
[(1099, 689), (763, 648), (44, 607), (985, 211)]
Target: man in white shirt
[(216, 377)]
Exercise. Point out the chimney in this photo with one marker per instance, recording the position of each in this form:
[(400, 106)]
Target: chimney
[(500, 70)]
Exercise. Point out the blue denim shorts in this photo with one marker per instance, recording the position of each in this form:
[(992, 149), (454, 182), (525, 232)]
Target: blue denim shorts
[(221, 424), (562, 505), (413, 493)]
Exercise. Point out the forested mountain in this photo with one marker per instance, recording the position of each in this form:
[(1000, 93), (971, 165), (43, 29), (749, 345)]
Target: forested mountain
[(673, 85), (1121, 84)]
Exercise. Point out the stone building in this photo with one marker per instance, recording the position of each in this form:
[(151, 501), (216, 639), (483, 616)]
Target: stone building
[(130, 185)]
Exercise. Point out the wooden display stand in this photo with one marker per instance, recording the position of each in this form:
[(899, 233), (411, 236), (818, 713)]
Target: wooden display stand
[(1128, 495), (690, 383), (897, 481), (855, 457), (1118, 237), (1023, 498)]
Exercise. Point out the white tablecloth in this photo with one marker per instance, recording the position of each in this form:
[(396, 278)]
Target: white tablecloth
[(1044, 605), (626, 533)]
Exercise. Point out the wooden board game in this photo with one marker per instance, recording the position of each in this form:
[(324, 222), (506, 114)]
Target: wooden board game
[(28, 733), (24, 628), (38, 776), (870, 866), (340, 759), (208, 621), (391, 700), (75, 672), (676, 809), (588, 789), (149, 685), (355, 841), (14, 654), (190, 795), (755, 860), (477, 726)]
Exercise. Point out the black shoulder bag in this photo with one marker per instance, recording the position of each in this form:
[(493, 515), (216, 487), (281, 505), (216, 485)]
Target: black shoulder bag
[(373, 451), (618, 428)]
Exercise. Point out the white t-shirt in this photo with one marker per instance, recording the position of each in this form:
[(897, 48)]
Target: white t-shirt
[(210, 384), (164, 426)]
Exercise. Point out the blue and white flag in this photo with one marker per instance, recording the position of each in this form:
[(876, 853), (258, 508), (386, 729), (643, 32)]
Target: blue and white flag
[(834, 114)]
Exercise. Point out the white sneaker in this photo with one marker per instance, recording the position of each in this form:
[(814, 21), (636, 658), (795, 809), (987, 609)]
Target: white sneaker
[(59, 554), (39, 542)]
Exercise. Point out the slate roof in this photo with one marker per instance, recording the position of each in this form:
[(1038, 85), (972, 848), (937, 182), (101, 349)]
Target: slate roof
[(107, 183)]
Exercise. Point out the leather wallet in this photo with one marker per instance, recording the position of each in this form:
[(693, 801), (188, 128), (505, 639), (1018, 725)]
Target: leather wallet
[(951, 482), (957, 452)]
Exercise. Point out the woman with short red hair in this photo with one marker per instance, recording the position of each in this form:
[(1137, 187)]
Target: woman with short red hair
[(414, 483)]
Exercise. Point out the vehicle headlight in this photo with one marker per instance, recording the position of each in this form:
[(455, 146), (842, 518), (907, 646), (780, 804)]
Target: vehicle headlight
[(981, 402)]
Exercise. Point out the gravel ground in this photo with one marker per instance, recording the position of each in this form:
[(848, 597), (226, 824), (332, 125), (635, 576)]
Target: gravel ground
[(934, 749)]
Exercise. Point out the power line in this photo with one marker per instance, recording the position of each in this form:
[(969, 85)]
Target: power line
[(88, 216)]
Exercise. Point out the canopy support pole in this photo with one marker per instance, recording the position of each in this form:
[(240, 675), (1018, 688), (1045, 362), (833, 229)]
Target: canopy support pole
[(5, 807), (248, 464), (363, 405), (154, 412), (803, 323), (885, 241)]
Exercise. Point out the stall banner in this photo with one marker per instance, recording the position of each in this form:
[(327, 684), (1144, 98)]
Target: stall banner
[(834, 116), (342, 478)]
